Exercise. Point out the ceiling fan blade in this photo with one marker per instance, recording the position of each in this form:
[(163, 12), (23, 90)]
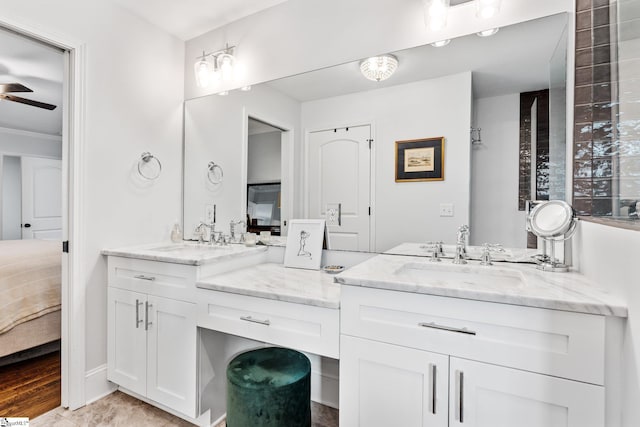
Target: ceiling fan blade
[(13, 87), (28, 102)]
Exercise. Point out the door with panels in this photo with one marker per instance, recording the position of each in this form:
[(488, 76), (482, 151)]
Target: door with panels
[(485, 395), (152, 347), (338, 186), (389, 385)]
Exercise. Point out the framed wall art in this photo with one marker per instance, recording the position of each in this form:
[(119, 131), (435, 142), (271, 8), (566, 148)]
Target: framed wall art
[(304, 243), (420, 160)]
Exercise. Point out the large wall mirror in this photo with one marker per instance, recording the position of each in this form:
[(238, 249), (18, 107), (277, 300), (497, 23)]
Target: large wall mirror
[(328, 139)]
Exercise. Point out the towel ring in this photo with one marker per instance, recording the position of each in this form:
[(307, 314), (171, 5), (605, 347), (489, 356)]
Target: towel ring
[(214, 173), (149, 167)]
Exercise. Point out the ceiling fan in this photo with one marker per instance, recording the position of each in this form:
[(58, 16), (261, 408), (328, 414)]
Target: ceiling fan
[(7, 88)]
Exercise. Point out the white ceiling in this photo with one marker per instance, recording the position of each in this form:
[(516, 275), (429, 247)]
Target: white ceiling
[(514, 60), (40, 68), (187, 19)]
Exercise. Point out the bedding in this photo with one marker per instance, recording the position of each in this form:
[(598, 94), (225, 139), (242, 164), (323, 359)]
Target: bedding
[(30, 281)]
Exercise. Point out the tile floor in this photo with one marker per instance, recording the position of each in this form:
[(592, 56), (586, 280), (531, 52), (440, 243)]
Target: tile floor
[(119, 409)]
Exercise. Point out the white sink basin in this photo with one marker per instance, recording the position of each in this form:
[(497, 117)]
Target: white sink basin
[(433, 273)]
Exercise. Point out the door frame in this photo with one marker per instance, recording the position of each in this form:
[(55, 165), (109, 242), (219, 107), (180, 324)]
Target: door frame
[(73, 135), (288, 135), (372, 171)]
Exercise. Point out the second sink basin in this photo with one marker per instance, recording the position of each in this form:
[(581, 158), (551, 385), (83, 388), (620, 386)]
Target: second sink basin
[(440, 273)]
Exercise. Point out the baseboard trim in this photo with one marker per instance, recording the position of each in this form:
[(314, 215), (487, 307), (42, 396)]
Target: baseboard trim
[(96, 384), (325, 389)]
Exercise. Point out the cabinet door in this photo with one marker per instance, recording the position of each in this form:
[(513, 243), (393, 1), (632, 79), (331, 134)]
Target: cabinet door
[(171, 355), (387, 385), (126, 340), (484, 395)]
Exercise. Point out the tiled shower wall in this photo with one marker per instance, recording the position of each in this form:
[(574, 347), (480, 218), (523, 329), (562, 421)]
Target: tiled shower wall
[(593, 126), (606, 180)]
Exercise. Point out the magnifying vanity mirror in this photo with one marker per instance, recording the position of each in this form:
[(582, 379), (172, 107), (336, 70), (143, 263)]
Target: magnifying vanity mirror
[(553, 221), (328, 138)]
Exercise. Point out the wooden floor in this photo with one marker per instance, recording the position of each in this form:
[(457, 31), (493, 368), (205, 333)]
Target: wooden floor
[(30, 388)]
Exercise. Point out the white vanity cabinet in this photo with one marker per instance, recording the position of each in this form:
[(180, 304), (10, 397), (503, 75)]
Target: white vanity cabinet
[(151, 333), (420, 360)]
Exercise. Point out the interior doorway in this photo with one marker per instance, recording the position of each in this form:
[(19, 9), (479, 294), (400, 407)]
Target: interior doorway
[(35, 118)]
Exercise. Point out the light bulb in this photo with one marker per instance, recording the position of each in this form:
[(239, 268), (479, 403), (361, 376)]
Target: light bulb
[(487, 33), (441, 43), (486, 9), (225, 64), (203, 70), (435, 14)]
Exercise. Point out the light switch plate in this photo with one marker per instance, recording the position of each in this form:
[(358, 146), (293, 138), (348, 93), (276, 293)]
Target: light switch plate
[(446, 209), (209, 213)]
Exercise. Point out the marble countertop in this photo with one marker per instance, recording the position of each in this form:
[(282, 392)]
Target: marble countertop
[(473, 252), (518, 284), (185, 253), (274, 281)]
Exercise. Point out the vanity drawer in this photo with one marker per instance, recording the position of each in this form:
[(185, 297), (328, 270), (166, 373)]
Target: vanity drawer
[(565, 344), (303, 327), (163, 279)]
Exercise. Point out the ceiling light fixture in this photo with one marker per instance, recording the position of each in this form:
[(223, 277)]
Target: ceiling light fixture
[(441, 43), (435, 14), (379, 68), (486, 9), (487, 33), (220, 66)]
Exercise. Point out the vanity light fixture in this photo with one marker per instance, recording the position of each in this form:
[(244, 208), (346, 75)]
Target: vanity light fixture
[(487, 33), (441, 43), (486, 9), (215, 66), (379, 68), (435, 13)]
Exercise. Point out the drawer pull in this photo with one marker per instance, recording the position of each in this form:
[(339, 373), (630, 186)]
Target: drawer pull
[(143, 277), (446, 328), (252, 320)]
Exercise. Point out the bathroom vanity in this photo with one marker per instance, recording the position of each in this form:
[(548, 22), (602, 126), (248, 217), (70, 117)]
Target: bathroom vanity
[(419, 342)]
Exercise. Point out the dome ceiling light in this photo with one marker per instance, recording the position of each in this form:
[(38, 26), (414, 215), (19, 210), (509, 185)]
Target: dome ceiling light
[(378, 68)]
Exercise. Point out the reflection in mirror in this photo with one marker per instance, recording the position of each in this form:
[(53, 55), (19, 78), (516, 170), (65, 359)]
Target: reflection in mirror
[(333, 116)]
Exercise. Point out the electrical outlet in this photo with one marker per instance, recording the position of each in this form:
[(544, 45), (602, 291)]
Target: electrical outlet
[(209, 213), (446, 209)]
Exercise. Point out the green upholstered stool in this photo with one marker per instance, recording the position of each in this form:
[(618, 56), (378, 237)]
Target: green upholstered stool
[(269, 387)]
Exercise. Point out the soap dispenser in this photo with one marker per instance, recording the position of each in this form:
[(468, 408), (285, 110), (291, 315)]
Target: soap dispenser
[(176, 233)]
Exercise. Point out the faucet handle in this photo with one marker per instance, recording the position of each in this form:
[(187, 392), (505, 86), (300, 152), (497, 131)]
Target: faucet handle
[(487, 248), (436, 250)]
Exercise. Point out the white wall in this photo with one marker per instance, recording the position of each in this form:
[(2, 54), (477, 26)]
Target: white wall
[(11, 183), (22, 143), (608, 256), (409, 211), (303, 35), (216, 130), (134, 93), (264, 158), (495, 217)]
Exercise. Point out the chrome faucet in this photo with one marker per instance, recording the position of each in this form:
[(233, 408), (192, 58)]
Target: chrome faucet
[(200, 231), (461, 245)]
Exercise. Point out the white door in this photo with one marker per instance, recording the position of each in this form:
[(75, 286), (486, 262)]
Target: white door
[(339, 164), (171, 369), (384, 385), (484, 395), (41, 198), (127, 340)]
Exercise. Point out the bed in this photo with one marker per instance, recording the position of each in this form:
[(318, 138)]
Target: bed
[(30, 281)]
